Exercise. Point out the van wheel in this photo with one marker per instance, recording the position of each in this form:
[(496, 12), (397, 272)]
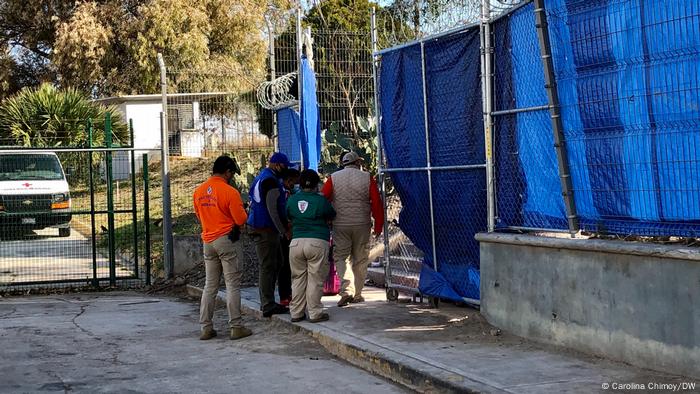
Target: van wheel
[(64, 232)]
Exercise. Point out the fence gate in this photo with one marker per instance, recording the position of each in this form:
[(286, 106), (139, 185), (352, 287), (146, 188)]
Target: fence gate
[(74, 217), (434, 171)]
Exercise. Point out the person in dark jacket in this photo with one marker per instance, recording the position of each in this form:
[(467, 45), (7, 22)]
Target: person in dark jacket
[(267, 221), (310, 214)]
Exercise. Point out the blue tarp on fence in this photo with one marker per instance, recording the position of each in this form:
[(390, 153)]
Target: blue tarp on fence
[(628, 78), (628, 74), (289, 140), (456, 138), (300, 134)]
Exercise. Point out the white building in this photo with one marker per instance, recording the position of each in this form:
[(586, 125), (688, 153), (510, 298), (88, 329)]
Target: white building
[(196, 126)]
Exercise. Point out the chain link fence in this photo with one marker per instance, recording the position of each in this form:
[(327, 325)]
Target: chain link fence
[(212, 111), (525, 160), (627, 71), (434, 145), (75, 216)]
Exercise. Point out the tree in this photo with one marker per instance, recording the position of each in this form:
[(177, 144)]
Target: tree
[(343, 61), (108, 47), (28, 30), (80, 48), (49, 117)]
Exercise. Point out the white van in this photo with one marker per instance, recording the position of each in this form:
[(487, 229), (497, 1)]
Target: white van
[(34, 193)]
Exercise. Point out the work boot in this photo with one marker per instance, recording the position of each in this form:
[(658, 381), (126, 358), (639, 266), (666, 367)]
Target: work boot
[(276, 310), (240, 332), (345, 300), (358, 299), (207, 333), (322, 317), (298, 319)]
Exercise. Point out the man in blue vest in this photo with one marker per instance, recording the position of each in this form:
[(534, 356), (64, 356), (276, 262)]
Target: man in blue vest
[(267, 220)]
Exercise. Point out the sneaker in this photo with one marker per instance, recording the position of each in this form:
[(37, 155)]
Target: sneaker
[(240, 332), (358, 299), (298, 319), (322, 317), (276, 310), (345, 300), (285, 302), (207, 333)]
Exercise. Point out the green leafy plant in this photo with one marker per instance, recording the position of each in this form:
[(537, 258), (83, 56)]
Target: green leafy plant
[(250, 163), (49, 117), (336, 144)]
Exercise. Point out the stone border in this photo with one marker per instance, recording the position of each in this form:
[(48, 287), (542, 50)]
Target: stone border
[(594, 245)]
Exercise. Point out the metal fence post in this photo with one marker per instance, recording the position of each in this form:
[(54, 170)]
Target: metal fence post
[(147, 221), (380, 152), (110, 203), (555, 114), (168, 262), (300, 83), (134, 212), (273, 71), (427, 153), (487, 104), (93, 236)]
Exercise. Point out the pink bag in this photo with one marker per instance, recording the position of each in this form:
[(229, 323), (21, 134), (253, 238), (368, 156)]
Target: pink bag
[(331, 286)]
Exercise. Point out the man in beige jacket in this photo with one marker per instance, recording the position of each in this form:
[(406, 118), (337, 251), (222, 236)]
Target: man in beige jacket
[(356, 200)]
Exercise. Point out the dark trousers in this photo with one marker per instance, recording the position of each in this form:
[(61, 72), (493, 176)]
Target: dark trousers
[(284, 277), (269, 251)]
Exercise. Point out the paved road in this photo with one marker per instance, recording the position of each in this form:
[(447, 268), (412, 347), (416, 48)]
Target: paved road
[(131, 343), (43, 256)]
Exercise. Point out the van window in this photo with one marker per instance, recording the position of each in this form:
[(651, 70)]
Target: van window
[(30, 167)]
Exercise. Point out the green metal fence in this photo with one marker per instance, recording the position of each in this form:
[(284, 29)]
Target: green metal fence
[(77, 216)]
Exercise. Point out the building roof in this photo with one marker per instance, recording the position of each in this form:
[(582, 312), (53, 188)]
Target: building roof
[(157, 97)]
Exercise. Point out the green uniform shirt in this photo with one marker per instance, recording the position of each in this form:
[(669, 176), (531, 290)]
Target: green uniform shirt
[(310, 213)]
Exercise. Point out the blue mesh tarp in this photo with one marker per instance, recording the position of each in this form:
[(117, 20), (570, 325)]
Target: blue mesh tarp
[(628, 78), (300, 134), (310, 121), (456, 138), (288, 134), (527, 176), (628, 75)]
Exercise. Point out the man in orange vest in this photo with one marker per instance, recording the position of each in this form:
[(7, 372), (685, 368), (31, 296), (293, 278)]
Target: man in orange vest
[(219, 208)]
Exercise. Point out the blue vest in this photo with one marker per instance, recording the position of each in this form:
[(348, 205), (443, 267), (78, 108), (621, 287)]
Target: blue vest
[(258, 216)]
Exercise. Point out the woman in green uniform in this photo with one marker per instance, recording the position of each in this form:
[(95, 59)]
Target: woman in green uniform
[(310, 214)]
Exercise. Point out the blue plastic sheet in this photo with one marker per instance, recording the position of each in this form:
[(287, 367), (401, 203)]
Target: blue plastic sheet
[(628, 76), (300, 134), (310, 121), (288, 133), (527, 176), (456, 138)]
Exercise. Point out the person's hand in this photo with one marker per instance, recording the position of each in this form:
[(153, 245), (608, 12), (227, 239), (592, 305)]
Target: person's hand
[(288, 234)]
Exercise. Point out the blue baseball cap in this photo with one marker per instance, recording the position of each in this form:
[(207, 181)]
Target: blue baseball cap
[(279, 158)]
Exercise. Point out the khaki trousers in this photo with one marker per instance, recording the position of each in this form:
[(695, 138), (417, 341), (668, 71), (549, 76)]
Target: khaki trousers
[(308, 258), (221, 256), (353, 242)]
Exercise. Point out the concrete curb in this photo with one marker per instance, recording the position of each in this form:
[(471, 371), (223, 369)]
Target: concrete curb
[(409, 370)]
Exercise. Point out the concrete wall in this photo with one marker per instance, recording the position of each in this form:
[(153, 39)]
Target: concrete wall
[(633, 302), (187, 252)]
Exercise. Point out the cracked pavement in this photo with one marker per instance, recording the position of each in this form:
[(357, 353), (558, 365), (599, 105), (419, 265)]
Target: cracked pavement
[(133, 343)]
